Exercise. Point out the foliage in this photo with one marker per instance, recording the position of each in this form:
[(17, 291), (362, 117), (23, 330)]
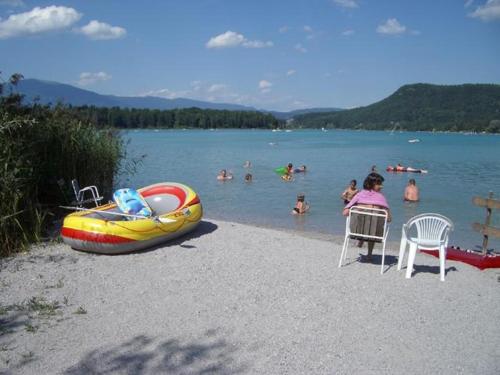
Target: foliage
[(125, 118), (41, 150), (471, 107)]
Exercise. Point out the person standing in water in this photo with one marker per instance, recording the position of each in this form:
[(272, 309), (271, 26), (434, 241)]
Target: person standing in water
[(350, 192), (301, 206), (412, 193)]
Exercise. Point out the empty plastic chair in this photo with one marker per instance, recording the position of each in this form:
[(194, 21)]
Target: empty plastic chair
[(428, 232), (80, 194), (367, 224)]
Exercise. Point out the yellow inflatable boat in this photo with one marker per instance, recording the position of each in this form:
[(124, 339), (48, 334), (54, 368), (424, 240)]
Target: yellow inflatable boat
[(176, 210)]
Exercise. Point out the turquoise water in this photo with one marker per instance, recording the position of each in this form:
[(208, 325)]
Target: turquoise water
[(460, 166)]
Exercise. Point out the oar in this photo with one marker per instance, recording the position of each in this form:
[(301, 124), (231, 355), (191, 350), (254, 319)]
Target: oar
[(160, 219)]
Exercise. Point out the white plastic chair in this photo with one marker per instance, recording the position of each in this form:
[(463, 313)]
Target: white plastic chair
[(367, 224), (80, 194), (432, 232)]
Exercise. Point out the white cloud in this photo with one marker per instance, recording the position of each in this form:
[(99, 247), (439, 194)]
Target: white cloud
[(199, 90), (265, 100), (283, 29), (299, 47), (346, 3), (196, 85), (216, 87), (38, 20), (291, 72), (308, 29), (490, 11), (101, 31), (12, 3), (265, 86), (231, 39), (391, 27), (87, 78), (468, 3), (347, 32), (167, 93)]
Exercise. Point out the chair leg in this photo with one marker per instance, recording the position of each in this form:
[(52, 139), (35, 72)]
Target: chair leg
[(402, 250), (383, 258), (442, 261), (411, 259), (344, 251)]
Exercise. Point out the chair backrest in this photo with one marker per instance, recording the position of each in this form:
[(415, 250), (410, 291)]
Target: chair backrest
[(367, 223), (76, 188), (431, 226)]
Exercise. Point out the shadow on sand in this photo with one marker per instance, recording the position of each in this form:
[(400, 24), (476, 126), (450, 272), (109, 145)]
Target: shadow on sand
[(203, 228), (430, 269), (211, 354)]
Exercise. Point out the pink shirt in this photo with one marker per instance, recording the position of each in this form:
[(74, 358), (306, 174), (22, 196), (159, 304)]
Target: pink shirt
[(368, 197)]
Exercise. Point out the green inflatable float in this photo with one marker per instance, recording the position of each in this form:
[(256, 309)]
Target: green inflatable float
[(281, 170)]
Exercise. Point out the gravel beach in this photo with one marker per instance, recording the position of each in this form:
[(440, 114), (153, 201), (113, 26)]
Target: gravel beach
[(231, 298)]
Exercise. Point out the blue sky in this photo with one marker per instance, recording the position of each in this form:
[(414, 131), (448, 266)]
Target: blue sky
[(278, 55)]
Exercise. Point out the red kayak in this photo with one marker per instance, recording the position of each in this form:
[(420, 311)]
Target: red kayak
[(470, 257)]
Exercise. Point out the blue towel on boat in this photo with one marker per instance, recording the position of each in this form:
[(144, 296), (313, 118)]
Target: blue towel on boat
[(131, 202)]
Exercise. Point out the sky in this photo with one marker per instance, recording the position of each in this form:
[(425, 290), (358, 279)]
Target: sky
[(273, 55)]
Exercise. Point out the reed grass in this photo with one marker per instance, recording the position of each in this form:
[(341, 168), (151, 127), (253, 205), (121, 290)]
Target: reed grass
[(41, 150)]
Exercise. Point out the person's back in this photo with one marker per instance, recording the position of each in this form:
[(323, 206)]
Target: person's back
[(412, 193)]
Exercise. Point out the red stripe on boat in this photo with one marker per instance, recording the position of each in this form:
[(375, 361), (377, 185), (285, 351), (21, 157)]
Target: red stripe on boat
[(93, 237), (166, 189), (194, 201)]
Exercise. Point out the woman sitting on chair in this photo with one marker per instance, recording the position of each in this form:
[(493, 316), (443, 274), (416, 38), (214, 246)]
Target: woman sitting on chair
[(370, 197)]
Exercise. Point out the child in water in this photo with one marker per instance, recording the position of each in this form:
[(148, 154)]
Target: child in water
[(350, 192), (248, 177), (223, 175), (301, 206)]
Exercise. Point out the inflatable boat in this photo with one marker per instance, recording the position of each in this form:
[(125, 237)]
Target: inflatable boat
[(175, 210)]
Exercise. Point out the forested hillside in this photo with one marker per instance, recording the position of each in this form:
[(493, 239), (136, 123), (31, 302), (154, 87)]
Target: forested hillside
[(469, 107), (125, 118)]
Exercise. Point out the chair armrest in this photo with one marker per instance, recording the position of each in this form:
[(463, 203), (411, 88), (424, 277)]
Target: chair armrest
[(93, 190)]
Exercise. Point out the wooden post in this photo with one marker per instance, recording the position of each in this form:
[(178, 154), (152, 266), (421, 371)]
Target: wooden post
[(487, 224), (485, 229)]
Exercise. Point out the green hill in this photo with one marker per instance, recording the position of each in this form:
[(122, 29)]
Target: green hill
[(469, 107)]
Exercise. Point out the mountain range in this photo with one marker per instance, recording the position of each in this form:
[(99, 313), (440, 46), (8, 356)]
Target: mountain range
[(467, 107), (47, 92)]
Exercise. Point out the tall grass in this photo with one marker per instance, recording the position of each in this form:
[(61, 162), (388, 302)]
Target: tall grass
[(41, 150)]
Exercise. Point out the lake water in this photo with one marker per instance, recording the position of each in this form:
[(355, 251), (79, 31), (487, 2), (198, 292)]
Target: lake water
[(460, 166)]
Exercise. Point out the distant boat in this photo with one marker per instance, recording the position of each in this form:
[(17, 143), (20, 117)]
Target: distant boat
[(323, 130), (415, 140), (276, 130), (288, 131)]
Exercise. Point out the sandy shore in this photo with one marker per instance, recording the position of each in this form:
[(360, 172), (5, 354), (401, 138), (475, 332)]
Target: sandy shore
[(232, 298)]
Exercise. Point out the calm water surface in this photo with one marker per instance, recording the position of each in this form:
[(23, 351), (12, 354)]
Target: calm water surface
[(460, 167)]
